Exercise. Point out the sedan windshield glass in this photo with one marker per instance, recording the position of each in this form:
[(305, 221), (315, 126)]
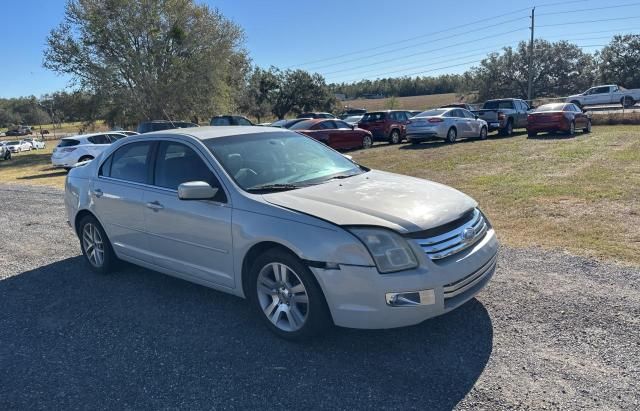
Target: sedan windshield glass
[(13, 143), (431, 113), (279, 160)]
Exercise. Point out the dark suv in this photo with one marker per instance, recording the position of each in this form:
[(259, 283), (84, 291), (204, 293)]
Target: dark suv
[(157, 125), (387, 125), (230, 121)]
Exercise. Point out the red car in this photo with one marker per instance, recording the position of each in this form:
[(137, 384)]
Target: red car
[(565, 117), (334, 133), (387, 125)]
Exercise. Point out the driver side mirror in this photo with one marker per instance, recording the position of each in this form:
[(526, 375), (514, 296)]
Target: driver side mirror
[(196, 190), (353, 126)]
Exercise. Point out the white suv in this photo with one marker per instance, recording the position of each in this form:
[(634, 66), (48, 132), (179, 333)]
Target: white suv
[(73, 150)]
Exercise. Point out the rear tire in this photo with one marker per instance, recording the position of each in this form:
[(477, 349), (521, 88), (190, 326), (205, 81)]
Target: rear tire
[(286, 296), (627, 101), (452, 135), (95, 246), (395, 138), (508, 129), (532, 133), (572, 128)]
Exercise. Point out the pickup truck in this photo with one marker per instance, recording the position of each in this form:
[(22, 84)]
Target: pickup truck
[(609, 94), (504, 114)]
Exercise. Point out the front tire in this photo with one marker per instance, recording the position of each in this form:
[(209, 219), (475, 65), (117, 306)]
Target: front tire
[(532, 133), (395, 137), (588, 128), (483, 133), (287, 297), (452, 135), (96, 246)]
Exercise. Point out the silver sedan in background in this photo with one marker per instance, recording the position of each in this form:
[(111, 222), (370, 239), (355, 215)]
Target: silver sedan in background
[(309, 237), (446, 123)]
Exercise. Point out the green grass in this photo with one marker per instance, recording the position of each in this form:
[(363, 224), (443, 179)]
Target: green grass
[(32, 167), (581, 194)]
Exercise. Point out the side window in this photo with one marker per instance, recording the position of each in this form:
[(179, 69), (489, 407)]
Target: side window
[(468, 114), (129, 163), (243, 121), (221, 121), (325, 125), (601, 90), (177, 163), (342, 124), (100, 139)]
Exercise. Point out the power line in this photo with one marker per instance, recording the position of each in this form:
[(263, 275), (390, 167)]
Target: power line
[(490, 19), (412, 45), (589, 21), (422, 52), (456, 65), (590, 9)]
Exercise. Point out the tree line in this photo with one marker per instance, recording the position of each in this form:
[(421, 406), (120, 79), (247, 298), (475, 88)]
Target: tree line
[(175, 59)]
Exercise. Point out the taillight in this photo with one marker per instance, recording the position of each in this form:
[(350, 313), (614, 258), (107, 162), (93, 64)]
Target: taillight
[(68, 149), (436, 120)]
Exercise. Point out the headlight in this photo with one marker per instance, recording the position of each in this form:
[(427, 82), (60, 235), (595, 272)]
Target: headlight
[(389, 250)]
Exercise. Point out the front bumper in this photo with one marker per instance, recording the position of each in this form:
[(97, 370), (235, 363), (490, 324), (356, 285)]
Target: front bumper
[(357, 296)]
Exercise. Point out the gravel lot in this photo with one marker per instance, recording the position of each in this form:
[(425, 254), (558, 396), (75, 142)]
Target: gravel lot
[(551, 331)]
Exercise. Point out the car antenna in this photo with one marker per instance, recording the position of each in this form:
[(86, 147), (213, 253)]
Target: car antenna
[(168, 118)]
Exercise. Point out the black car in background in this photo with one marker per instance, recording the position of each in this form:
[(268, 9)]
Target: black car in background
[(158, 125), (316, 115), (230, 121)]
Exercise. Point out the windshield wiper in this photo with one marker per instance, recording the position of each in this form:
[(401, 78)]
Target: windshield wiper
[(273, 187)]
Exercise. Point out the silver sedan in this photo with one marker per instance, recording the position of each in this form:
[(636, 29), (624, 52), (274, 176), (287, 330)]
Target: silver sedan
[(309, 237), (446, 123)]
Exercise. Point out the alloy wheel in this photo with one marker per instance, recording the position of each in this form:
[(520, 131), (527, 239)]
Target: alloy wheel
[(452, 135), (395, 137), (282, 297), (366, 142), (93, 245)]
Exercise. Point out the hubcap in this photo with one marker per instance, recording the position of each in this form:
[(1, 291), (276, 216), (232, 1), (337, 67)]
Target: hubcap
[(282, 297), (366, 143), (452, 135), (395, 137), (93, 245)]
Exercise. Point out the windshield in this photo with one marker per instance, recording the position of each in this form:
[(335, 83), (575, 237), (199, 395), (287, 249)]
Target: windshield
[(12, 143), (551, 107), (279, 160), (431, 113)]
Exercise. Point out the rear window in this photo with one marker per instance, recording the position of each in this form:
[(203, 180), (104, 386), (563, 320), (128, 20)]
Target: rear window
[(369, 117), (498, 104), (431, 113), (68, 142), (551, 107), (303, 125)]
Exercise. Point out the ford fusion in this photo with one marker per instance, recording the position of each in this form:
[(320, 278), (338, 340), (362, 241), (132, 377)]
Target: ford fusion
[(305, 234)]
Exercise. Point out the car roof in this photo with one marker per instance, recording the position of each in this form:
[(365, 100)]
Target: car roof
[(91, 135), (209, 132)]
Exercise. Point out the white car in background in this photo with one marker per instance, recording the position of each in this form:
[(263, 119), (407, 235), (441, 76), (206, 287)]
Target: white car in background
[(446, 123), (17, 146), (76, 149), (35, 143)]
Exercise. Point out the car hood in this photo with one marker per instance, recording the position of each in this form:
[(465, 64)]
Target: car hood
[(376, 198)]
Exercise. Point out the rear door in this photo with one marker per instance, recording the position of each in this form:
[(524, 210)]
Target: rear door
[(375, 123), (117, 195), (460, 123), (192, 238)]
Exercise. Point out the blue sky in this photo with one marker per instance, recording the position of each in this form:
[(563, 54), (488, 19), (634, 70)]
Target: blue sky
[(345, 40)]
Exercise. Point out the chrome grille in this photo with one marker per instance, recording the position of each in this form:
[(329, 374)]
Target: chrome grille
[(456, 240)]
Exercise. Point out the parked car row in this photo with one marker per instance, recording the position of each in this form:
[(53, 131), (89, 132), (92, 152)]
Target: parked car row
[(77, 149)]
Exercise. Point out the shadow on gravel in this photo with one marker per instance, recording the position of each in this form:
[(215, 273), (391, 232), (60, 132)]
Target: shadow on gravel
[(58, 173), (139, 339)]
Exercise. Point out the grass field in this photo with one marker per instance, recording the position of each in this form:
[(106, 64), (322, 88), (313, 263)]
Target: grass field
[(581, 194), (407, 103), (63, 129)]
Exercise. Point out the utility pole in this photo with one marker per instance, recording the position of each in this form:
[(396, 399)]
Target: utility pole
[(530, 88)]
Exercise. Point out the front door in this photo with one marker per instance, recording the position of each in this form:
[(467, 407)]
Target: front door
[(190, 238), (117, 196)]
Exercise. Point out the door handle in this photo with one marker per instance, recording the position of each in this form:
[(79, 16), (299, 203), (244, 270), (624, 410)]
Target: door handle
[(97, 192), (155, 206)]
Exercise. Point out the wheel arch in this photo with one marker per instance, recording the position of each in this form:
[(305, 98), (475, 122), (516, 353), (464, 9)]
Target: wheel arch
[(253, 253), (79, 216)]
